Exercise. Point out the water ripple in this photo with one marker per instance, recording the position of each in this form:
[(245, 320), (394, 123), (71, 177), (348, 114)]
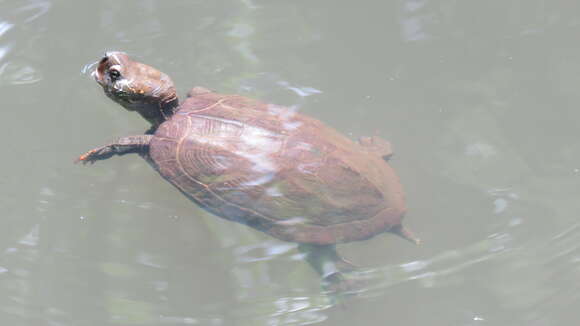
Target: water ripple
[(35, 9), (17, 73), (5, 27)]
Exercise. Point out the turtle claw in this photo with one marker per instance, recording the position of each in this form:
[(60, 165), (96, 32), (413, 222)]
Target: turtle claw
[(90, 157), (85, 158), (87, 161), (345, 265)]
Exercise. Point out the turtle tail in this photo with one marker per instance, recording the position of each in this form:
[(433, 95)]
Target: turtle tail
[(406, 234)]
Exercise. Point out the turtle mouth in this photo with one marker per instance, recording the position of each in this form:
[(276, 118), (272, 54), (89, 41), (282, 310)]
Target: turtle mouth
[(111, 87)]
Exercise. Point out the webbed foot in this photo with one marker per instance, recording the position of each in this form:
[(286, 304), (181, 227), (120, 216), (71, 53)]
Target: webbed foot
[(198, 90), (331, 267), (96, 154), (377, 145)]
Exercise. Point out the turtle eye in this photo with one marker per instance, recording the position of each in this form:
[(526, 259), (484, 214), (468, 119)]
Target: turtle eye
[(114, 74)]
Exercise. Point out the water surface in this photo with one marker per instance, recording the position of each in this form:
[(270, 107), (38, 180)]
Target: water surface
[(479, 99)]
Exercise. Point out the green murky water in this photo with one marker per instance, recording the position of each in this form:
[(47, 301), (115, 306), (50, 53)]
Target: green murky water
[(479, 99)]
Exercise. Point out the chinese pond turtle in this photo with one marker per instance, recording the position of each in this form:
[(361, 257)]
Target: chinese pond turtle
[(263, 165)]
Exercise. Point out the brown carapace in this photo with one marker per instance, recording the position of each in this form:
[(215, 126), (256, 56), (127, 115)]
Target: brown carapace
[(262, 165)]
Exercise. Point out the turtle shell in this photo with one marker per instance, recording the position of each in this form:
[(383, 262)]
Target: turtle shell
[(276, 170)]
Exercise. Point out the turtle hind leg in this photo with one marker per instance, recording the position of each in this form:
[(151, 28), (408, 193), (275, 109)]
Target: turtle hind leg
[(198, 90), (377, 145), (329, 265), (324, 259)]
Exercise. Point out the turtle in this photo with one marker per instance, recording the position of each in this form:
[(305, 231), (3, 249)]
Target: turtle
[(263, 165)]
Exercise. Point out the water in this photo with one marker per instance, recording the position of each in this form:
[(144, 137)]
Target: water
[(479, 100)]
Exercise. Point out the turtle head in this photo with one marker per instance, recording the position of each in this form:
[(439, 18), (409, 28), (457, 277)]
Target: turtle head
[(137, 87)]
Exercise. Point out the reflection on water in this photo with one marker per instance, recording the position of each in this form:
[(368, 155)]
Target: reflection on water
[(17, 74), (13, 70), (479, 99)]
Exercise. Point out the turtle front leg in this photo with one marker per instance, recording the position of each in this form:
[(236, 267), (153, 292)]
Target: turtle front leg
[(125, 145)]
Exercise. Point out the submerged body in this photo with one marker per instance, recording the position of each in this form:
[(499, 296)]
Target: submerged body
[(263, 165), (276, 170)]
